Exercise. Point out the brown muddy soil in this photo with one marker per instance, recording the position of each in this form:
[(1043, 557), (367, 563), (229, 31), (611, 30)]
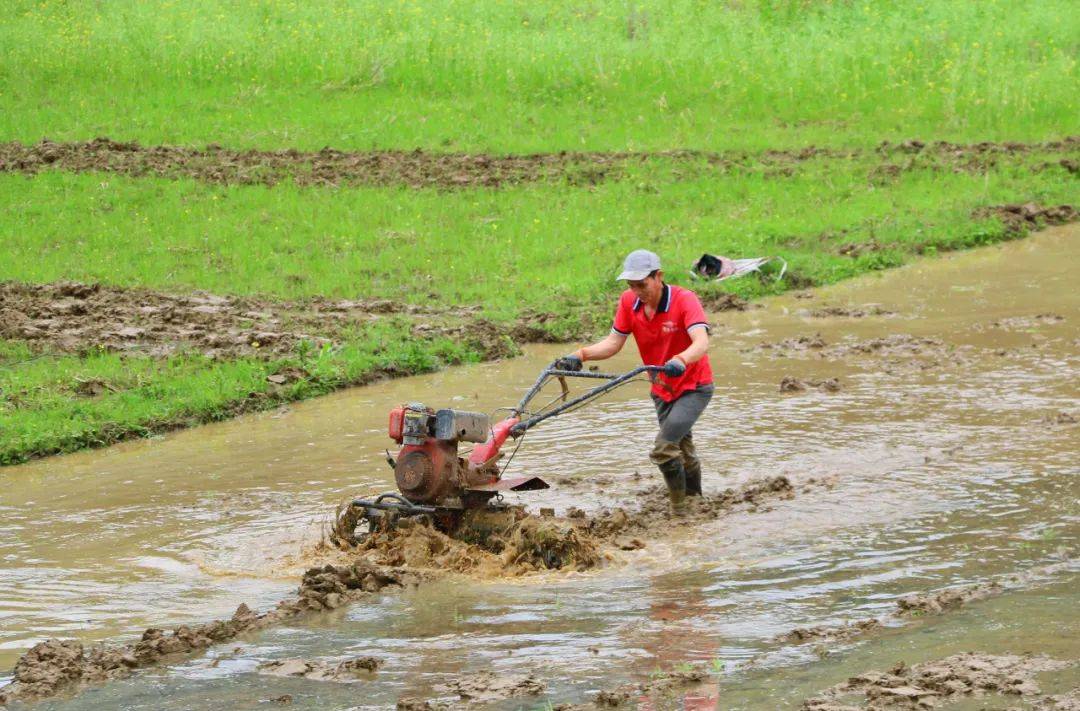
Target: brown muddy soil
[(927, 685), (525, 545), (1028, 217), (849, 312), (518, 544), (661, 686), (948, 599), (75, 317), (488, 686), (329, 167), (477, 688), (347, 671), (896, 353), (831, 633), (791, 384), (652, 516), (970, 157), (1023, 323)]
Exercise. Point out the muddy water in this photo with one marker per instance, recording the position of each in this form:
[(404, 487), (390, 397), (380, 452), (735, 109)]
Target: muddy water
[(942, 463)]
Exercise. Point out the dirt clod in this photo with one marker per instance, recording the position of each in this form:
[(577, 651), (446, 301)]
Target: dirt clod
[(790, 384), (849, 312), (950, 598), (1029, 216), (488, 686), (349, 670), (835, 633)]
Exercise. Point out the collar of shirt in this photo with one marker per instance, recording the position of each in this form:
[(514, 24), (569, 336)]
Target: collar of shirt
[(665, 301)]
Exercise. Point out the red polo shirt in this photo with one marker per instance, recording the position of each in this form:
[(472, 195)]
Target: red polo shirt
[(665, 335)]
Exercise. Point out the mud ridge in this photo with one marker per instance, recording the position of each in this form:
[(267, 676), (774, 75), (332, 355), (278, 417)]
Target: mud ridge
[(330, 167), (926, 685), (652, 516), (64, 666), (849, 312), (915, 605), (904, 156)]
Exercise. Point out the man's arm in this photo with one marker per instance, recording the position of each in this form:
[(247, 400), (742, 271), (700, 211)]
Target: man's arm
[(597, 351), (604, 349), (699, 346)]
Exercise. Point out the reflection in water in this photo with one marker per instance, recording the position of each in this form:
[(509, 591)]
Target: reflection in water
[(934, 465)]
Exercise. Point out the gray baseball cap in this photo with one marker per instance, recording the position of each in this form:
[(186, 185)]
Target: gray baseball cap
[(638, 265)]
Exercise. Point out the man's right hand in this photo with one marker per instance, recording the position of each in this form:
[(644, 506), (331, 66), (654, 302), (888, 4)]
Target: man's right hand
[(571, 362)]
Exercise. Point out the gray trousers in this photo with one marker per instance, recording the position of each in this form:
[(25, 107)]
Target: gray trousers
[(676, 418)]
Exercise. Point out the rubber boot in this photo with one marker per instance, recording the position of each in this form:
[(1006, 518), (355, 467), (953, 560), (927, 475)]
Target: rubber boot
[(693, 478), (675, 478)]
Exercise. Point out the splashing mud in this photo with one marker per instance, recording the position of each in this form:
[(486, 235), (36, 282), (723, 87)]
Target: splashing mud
[(527, 544), (513, 543)]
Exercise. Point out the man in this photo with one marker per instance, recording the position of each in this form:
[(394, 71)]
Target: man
[(670, 328)]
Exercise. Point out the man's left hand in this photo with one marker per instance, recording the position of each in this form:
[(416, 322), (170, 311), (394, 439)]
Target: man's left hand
[(674, 367)]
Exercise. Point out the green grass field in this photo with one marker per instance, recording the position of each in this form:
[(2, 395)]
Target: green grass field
[(501, 77), (528, 75)]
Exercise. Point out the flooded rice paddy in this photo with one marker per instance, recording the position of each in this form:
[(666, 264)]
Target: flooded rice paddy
[(945, 455)]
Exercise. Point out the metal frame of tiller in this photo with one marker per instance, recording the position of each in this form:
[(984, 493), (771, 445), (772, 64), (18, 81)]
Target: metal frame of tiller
[(484, 455)]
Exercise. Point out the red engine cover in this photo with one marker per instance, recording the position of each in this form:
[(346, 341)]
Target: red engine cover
[(426, 472)]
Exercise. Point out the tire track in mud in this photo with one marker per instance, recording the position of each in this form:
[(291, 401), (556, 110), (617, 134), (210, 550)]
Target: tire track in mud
[(418, 169), (392, 561)]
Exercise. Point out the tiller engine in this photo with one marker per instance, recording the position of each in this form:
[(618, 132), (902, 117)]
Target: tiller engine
[(434, 480)]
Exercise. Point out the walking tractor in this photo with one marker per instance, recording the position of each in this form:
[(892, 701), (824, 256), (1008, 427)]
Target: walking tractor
[(434, 480)]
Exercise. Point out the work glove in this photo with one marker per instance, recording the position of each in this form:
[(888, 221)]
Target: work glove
[(674, 368), (568, 362)]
